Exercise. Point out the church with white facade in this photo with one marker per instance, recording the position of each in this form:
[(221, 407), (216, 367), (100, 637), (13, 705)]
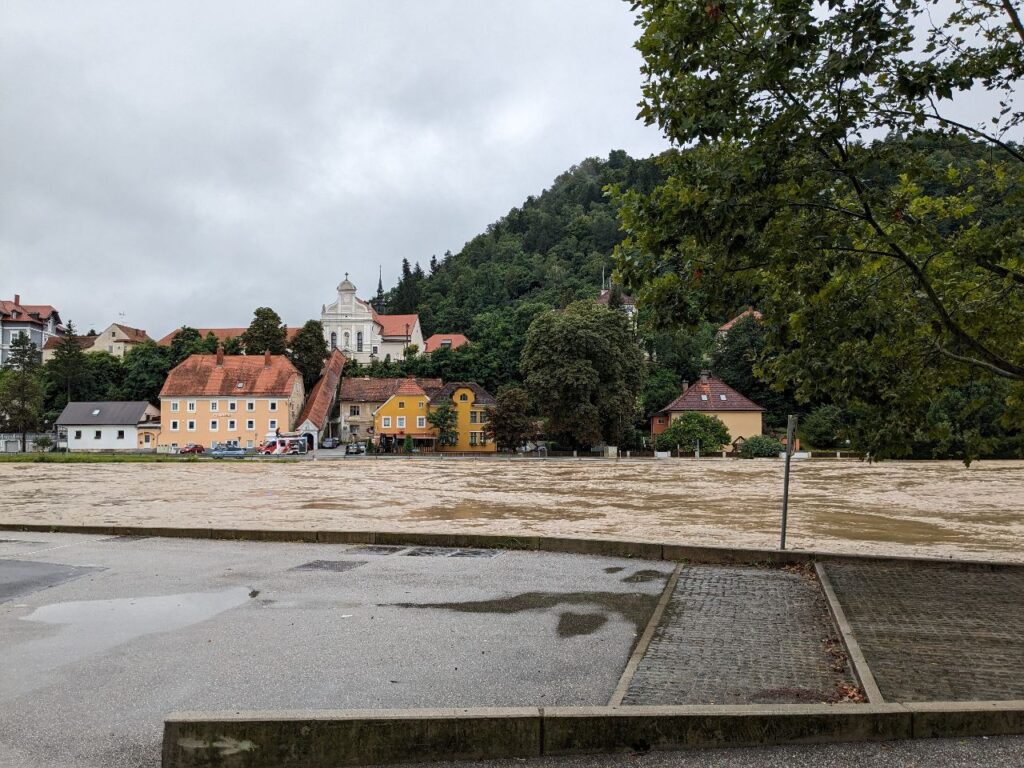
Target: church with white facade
[(353, 326)]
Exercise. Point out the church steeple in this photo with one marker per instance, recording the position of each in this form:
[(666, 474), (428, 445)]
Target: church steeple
[(378, 301)]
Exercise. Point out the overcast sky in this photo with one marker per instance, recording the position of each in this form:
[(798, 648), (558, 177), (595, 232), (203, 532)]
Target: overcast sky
[(186, 162)]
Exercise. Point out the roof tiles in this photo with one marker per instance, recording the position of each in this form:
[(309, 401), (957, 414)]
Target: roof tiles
[(239, 376)]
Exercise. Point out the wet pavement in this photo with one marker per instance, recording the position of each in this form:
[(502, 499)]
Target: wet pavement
[(92, 663), (937, 508)]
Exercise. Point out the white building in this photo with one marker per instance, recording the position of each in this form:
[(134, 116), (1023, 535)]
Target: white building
[(353, 326), (110, 426)]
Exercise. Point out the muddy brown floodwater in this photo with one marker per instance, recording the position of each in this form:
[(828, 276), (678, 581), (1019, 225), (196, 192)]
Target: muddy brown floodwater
[(908, 508)]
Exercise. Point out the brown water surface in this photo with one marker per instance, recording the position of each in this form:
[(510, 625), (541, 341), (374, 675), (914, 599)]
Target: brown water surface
[(909, 508)]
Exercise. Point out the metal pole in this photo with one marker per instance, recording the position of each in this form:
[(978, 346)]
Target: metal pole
[(790, 439)]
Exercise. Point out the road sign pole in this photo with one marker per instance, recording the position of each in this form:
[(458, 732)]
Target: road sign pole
[(790, 440)]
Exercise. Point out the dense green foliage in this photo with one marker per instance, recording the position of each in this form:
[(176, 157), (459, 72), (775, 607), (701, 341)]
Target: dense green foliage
[(690, 430), (510, 424), (889, 271), (761, 447), (265, 333), (308, 352), (21, 390), (445, 419), (583, 373)]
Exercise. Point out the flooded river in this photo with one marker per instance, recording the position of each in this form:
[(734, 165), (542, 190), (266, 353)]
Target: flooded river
[(924, 508)]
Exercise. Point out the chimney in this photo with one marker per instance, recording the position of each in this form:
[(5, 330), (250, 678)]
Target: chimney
[(266, 359), (686, 385), (704, 376), (17, 299), (220, 356)]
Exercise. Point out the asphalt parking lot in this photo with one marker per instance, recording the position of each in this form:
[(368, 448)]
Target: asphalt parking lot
[(102, 636)]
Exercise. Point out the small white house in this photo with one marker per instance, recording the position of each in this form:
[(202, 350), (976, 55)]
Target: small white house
[(109, 426)]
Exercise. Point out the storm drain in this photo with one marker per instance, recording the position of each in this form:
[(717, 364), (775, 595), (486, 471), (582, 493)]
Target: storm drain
[(337, 566), (376, 549), (447, 552)]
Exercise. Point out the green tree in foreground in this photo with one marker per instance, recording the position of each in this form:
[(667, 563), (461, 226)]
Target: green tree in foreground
[(583, 372), (887, 271), (445, 420), (690, 429), (510, 424), (265, 332), (67, 370), (21, 388), (308, 352), (761, 447)]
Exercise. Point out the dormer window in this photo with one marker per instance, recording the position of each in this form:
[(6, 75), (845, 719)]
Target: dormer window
[(703, 397), (722, 397), (95, 411)]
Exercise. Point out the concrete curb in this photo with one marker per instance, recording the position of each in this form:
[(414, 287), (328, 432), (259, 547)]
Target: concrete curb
[(580, 546), (323, 738)]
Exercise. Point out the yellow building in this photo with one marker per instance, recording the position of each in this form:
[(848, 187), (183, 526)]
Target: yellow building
[(116, 340), (405, 415), (713, 397), (222, 398)]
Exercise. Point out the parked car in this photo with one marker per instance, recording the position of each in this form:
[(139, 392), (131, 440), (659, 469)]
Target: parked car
[(192, 448), (329, 442), (226, 451), (355, 449)]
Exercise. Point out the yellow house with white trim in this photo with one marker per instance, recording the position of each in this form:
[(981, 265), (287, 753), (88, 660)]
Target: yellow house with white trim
[(405, 415)]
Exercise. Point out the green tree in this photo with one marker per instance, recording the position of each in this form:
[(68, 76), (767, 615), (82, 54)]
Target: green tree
[(661, 387), (510, 424), (887, 270), (445, 420), (761, 447), (21, 387), (144, 370), (690, 430), (233, 346), (583, 372), (308, 352), (265, 332), (67, 370), (821, 428), (187, 341)]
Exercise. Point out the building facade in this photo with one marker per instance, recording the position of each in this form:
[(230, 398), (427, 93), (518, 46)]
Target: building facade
[(713, 397), (220, 398), (353, 326), (115, 340), (360, 396), (406, 416), (472, 408), (110, 426), (40, 322)]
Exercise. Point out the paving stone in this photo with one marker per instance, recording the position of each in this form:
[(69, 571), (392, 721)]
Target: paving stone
[(738, 635), (936, 632)]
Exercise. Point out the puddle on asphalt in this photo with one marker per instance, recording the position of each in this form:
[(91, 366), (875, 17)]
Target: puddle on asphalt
[(634, 607), (645, 575), (614, 569)]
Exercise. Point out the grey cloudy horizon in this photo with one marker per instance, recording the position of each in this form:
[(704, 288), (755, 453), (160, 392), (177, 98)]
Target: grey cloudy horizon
[(185, 163)]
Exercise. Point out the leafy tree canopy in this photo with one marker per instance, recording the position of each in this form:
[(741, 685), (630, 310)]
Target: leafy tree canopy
[(510, 424), (265, 332), (445, 419), (690, 430), (308, 352)]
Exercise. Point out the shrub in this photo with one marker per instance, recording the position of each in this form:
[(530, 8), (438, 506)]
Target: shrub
[(821, 427), (761, 446), (686, 430)]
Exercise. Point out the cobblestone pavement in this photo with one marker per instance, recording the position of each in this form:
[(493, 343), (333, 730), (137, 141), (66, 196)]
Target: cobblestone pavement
[(936, 632), (741, 635)]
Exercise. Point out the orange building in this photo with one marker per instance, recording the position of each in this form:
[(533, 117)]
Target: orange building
[(219, 398)]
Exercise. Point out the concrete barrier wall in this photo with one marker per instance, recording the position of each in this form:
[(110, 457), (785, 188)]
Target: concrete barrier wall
[(325, 739)]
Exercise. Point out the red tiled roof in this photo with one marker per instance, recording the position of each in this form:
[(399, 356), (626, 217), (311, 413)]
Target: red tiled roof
[(368, 390), (200, 376), (84, 342), (435, 342), (135, 335), (409, 387), (27, 313), (750, 312), (322, 396), (605, 297), (395, 325), (222, 334), (707, 395)]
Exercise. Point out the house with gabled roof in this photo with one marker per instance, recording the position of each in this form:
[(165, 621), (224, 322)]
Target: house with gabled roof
[(110, 426), (444, 341), (116, 339), (314, 420), (220, 398), (39, 322), (713, 397), (724, 328), (360, 396), (472, 405)]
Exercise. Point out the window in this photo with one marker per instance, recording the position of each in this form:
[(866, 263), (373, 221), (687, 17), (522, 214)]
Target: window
[(446, 343), (250, 425), (334, 340), (174, 406), (359, 341), (250, 405), (248, 443), (421, 422), (401, 422), (484, 417), (483, 438), (95, 411), (145, 438), (214, 406), (463, 397), (120, 434), (232, 425), (98, 434), (272, 424), (385, 422), (78, 434), (214, 425), (703, 397), (273, 405), (353, 410), (174, 426), (191, 407), (473, 417), (401, 403), (374, 352), (191, 425), (472, 438), (232, 405), (722, 397), (174, 447)]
